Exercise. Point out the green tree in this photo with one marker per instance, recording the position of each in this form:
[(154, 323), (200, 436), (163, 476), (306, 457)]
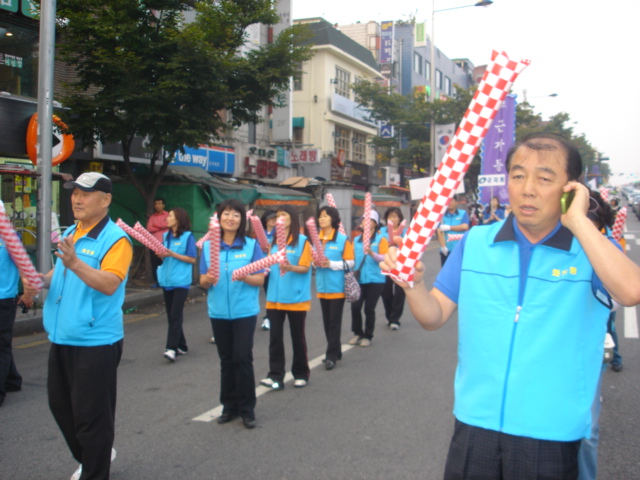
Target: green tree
[(143, 71)]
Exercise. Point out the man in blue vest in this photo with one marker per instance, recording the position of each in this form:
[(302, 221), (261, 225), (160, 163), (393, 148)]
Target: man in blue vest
[(83, 317), (454, 221), (533, 293)]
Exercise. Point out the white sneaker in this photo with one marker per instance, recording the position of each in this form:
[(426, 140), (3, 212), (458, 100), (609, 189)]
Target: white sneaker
[(300, 383), (170, 355), (213, 340), (266, 324), (365, 342), (181, 352), (78, 473), (355, 340), (394, 326)]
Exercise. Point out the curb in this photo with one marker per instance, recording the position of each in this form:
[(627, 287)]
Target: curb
[(29, 324)]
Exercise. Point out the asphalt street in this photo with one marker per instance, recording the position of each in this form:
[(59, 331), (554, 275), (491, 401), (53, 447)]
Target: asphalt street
[(383, 413)]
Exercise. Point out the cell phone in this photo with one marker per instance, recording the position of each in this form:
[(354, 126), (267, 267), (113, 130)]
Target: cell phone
[(25, 309), (566, 200)]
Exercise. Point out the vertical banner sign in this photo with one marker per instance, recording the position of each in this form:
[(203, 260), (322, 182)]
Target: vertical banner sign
[(444, 134), (420, 31), (500, 138), (282, 116), (386, 42)]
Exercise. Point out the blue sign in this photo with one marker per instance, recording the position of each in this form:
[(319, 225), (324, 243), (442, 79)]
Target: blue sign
[(209, 158), (386, 42), (386, 130)]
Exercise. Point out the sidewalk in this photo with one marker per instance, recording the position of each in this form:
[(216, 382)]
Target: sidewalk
[(31, 322)]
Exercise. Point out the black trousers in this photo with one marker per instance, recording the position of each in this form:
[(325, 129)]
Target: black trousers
[(300, 363), (479, 454), (81, 385), (393, 300), (332, 320), (369, 295), (174, 303), (156, 261), (9, 376), (443, 258), (234, 340)]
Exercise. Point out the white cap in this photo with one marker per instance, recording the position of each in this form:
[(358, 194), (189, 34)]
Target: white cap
[(375, 216)]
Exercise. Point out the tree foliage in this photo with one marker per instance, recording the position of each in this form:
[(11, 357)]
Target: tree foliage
[(411, 117), (142, 70)]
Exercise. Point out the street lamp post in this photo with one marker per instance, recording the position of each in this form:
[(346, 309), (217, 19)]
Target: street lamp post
[(484, 3)]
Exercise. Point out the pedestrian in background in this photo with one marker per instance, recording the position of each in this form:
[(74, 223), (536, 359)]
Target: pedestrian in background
[(83, 317), (454, 220), (494, 212), (10, 378), (393, 295), (175, 276), (339, 254), (289, 296), (371, 282), (233, 308), (157, 226)]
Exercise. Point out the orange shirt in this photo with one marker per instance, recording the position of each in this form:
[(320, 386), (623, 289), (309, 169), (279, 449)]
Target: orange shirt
[(305, 261), (347, 254), (117, 259)]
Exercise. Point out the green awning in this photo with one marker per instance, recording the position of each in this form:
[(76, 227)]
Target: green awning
[(298, 122)]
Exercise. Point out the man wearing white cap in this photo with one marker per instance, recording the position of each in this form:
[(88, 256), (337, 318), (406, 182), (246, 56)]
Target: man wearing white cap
[(83, 317)]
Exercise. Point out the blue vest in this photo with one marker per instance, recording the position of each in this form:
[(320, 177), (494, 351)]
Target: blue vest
[(174, 272), (370, 271), (229, 300), (75, 314), (327, 280), (453, 219), (9, 284), (290, 287), (528, 369)]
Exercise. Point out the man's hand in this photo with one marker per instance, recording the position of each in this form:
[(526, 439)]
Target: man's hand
[(389, 263), (444, 228), (444, 251), (67, 253), (579, 207)]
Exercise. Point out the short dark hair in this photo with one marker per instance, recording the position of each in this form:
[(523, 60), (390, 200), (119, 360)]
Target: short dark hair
[(333, 213), (601, 213), (184, 224), (395, 210), (266, 216), (238, 206), (547, 141), (159, 199), (294, 229)]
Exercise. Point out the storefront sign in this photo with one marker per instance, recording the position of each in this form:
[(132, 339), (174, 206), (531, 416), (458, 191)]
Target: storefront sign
[(359, 173), (261, 152), (210, 158), (377, 176), (340, 171)]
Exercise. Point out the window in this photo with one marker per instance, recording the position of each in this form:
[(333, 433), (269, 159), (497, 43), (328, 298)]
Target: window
[(427, 72), (359, 141), (438, 79), (447, 86), (297, 78), (18, 60), (417, 63), (298, 135), (251, 133), (342, 141), (342, 81)]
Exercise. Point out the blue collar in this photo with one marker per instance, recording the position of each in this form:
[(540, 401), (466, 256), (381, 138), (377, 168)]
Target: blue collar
[(237, 243), (560, 237)]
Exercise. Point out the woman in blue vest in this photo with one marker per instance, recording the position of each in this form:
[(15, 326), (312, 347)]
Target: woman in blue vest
[(330, 280), (371, 282), (393, 295), (233, 309), (289, 295), (494, 212), (175, 276)]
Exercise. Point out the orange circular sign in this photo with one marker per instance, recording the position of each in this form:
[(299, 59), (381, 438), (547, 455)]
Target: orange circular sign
[(61, 151)]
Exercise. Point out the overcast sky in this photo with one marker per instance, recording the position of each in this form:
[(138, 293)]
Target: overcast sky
[(583, 50)]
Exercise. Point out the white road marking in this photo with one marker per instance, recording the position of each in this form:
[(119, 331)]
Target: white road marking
[(261, 390), (630, 322)]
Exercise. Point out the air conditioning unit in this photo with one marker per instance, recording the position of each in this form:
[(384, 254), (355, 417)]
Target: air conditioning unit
[(328, 154)]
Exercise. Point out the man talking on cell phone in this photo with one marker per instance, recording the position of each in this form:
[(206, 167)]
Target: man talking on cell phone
[(533, 295)]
